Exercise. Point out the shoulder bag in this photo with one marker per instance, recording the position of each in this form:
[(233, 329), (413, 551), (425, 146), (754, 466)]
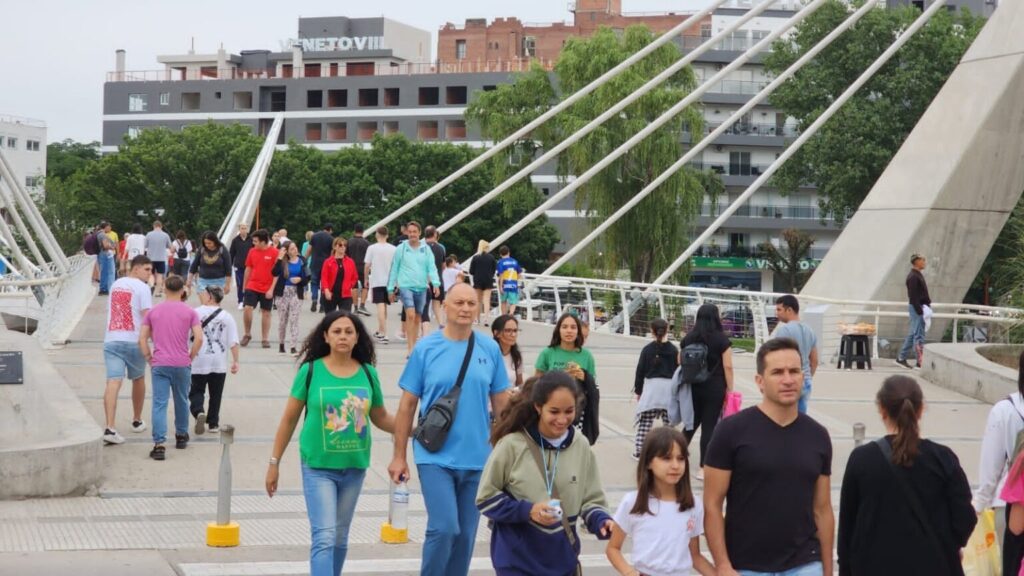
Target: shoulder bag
[(434, 425)]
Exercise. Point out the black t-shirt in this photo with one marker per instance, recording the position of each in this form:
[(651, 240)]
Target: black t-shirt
[(717, 344), (321, 245), (338, 280), (439, 254), (356, 250), (769, 524)]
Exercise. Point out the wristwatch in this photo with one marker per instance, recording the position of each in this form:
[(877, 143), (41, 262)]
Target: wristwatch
[(274, 461)]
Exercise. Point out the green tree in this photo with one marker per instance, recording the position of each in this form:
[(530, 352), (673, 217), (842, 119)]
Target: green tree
[(67, 157), (650, 236), (786, 260), (849, 153)]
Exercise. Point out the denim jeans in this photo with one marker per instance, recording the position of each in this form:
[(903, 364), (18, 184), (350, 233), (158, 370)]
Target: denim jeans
[(410, 298), (812, 569), (314, 283), (239, 278), (331, 497), (452, 519), (106, 260), (915, 339), (805, 395), (167, 380)]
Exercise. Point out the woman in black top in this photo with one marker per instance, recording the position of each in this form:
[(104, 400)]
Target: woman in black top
[(482, 268), (709, 396), (910, 512), (212, 265), (653, 383)]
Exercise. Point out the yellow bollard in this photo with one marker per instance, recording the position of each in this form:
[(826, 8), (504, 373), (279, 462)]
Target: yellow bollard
[(224, 533)]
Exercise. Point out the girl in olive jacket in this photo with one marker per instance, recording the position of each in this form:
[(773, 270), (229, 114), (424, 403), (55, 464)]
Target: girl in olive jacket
[(539, 480)]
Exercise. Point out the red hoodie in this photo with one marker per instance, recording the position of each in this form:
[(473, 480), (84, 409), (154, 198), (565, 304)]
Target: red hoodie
[(329, 272)]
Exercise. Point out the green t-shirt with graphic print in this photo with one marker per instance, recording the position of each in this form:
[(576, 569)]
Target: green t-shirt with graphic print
[(336, 431)]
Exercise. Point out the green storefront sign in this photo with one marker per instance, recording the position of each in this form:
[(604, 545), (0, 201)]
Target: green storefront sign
[(729, 263)]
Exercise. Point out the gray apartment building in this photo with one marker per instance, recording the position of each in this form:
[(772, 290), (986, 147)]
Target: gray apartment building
[(342, 80)]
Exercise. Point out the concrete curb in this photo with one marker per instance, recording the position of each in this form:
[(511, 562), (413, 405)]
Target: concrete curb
[(960, 368)]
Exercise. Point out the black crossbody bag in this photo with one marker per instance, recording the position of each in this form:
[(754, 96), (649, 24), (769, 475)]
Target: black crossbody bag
[(433, 426)]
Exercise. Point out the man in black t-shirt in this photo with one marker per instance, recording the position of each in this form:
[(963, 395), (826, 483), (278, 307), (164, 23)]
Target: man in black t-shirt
[(773, 465), (432, 236), (357, 246), (320, 247)]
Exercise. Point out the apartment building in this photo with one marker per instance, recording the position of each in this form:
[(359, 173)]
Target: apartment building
[(23, 144)]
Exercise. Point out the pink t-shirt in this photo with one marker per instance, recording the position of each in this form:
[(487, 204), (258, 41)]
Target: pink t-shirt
[(1013, 490), (171, 323)]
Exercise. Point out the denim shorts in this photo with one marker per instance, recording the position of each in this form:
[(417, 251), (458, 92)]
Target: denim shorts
[(123, 358), (413, 299), (202, 283)]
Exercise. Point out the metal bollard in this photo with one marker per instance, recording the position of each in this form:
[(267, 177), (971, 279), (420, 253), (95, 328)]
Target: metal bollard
[(858, 434), (224, 532)]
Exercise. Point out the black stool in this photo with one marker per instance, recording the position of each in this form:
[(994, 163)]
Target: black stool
[(854, 348)]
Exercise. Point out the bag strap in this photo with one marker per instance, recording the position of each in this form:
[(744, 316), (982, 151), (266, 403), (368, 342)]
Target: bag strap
[(911, 497), (539, 458), (208, 319), (465, 360), (309, 380)]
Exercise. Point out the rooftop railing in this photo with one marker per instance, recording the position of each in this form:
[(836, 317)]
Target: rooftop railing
[(9, 119)]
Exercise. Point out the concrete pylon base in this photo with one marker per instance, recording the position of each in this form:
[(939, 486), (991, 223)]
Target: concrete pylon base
[(949, 190), (49, 444)]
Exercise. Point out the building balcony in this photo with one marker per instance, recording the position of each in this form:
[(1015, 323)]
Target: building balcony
[(735, 44), (756, 130), (709, 210)]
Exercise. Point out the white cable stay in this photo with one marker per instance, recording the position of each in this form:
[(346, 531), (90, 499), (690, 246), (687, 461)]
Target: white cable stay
[(622, 105), (653, 126), (709, 139), (572, 99), (244, 208)]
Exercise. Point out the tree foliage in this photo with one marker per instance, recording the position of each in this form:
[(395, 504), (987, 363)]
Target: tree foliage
[(190, 179), (650, 236), (786, 260), (852, 149)]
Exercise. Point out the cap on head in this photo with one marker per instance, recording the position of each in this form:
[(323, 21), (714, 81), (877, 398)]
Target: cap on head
[(915, 257)]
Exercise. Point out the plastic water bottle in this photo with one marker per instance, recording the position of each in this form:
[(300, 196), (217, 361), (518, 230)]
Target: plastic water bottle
[(400, 507)]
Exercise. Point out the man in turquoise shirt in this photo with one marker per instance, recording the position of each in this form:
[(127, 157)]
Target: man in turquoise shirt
[(411, 269)]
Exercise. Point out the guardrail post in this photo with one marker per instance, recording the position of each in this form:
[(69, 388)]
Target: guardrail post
[(558, 301), (874, 346), (625, 312), (224, 532), (956, 327), (858, 434), (661, 305), (590, 306)]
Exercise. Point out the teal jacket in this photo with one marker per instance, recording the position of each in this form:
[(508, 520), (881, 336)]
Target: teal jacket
[(412, 268)]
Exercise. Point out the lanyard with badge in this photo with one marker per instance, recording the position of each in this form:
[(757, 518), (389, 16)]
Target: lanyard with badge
[(549, 482)]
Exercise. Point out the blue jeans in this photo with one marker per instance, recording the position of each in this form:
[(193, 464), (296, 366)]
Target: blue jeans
[(239, 278), (812, 569), (314, 282), (331, 497), (417, 300), (167, 380), (106, 260), (452, 519), (915, 339), (805, 394)]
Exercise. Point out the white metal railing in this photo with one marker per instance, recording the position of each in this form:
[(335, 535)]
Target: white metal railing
[(546, 297)]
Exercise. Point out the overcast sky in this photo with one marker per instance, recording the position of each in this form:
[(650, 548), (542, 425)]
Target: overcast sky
[(56, 53)]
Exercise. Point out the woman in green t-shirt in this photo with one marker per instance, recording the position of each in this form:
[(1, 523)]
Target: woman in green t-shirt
[(566, 353), (341, 397)]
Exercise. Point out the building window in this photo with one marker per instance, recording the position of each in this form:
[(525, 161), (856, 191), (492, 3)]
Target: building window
[(190, 101), (312, 70), (455, 95), (455, 129), (368, 97), (314, 99), (33, 181), (314, 132), (391, 96), (367, 130), (337, 131), (390, 127), (134, 131), (430, 96), (243, 100), (32, 145), (337, 98), (426, 129), (286, 70), (739, 163), (138, 102), (460, 49), (333, 69), (165, 98), (12, 142), (705, 30)]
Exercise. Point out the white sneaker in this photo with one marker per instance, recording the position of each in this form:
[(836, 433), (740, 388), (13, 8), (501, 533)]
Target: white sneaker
[(139, 426), (213, 429), (399, 336), (241, 305), (112, 437)]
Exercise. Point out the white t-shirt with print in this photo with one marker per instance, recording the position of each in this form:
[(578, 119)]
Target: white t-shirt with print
[(129, 297), (450, 276), (379, 256), (135, 245), (219, 336), (661, 540)]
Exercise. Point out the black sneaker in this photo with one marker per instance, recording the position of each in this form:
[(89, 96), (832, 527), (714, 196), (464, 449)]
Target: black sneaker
[(180, 441), (280, 348), (903, 362), (313, 307), (157, 453)]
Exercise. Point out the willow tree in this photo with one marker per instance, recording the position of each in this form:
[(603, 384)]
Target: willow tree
[(654, 232)]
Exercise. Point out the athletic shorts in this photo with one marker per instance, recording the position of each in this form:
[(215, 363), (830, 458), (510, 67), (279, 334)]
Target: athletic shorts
[(510, 298), (379, 295), (253, 299), (123, 358), (159, 267)]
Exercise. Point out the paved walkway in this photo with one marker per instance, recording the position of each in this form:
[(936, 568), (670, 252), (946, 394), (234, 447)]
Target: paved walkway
[(154, 513)]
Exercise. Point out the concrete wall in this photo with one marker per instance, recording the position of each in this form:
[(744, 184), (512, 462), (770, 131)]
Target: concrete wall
[(959, 367)]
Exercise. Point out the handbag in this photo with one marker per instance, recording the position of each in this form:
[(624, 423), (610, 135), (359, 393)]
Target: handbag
[(434, 424), (539, 458), (733, 404)]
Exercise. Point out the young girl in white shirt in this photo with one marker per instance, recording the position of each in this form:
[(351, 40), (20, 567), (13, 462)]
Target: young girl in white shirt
[(661, 514)]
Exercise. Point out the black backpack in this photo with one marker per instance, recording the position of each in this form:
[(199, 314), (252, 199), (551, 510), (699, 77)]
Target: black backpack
[(694, 364), (182, 251), (91, 244)]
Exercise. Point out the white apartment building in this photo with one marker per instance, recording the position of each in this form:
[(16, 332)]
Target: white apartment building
[(23, 143)]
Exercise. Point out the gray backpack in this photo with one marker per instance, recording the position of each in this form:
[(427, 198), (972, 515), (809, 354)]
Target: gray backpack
[(694, 363)]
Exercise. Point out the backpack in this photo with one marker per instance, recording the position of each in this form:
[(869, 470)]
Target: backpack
[(694, 364), (1018, 441), (182, 252), (91, 244)]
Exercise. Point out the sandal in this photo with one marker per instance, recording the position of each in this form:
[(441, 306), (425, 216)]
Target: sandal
[(157, 453), (245, 340)]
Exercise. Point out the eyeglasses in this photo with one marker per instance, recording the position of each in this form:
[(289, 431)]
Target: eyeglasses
[(510, 330)]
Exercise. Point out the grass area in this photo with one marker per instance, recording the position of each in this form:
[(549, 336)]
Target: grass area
[(745, 344)]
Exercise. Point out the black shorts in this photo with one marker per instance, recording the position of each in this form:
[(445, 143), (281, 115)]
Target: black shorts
[(379, 295), (361, 274), (486, 283), (253, 299), (159, 267)]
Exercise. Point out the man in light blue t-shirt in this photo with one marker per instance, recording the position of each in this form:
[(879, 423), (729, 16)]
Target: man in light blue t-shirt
[(449, 477), (787, 308)]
